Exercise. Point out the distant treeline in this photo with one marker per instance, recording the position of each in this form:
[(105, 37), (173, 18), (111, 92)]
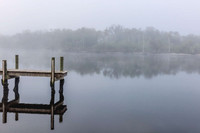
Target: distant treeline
[(112, 39)]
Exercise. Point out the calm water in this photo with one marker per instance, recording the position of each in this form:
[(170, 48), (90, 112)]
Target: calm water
[(119, 93)]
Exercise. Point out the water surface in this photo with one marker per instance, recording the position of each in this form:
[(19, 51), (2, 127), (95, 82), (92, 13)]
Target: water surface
[(112, 93)]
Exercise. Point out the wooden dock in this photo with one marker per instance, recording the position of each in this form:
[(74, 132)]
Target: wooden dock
[(33, 73), (12, 73), (15, 107)]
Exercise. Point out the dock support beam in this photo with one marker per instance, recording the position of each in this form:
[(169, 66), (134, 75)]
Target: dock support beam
[(16, 85), (52, 71), (61, 98), (62, 79), (5, 90), (61, 86), (52, 91), (4, 75), (52, 106), (16, 91), (5, 102), (61, 63), (16, 61)]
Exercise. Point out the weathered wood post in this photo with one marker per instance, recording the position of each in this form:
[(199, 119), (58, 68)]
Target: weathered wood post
[(4, 114), (61, 63), (5, 87), (4, 75), (61, 80), (61, 118), (4, 101), (52, 117), (16, 61), (61, 85), (16, 91), (52, 71), (52, 91), (61, 97), (52, 106), (61, 89), (16, 85)]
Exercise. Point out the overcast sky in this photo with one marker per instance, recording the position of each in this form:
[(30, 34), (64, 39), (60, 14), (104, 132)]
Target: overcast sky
[(166, 15)]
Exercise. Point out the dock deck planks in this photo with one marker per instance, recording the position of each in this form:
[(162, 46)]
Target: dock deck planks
[(18, 73)]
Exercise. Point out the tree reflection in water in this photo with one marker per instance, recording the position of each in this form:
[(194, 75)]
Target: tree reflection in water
[(132, 65)]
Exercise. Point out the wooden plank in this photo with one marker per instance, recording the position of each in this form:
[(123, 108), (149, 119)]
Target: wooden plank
[(17, 73)]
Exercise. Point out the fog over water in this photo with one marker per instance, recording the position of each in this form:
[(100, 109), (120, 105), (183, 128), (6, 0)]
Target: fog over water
[(112, 65), (111, 92), (133, 66)]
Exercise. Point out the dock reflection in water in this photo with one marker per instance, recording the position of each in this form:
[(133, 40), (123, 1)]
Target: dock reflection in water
[(14, 106)]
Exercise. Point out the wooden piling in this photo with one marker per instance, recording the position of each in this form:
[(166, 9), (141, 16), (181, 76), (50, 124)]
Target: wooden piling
[(61, 118), (52, 106), (52, 117), (61, 89), (62, 79), (4, 114), (16, 116), (4, 68), (61, 63), (16, 61), (5, 101), (16, 80), (52, 70)]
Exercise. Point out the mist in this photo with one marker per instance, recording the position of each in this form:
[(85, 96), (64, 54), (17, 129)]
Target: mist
[(19, 15), (103, 66), (115, 38)]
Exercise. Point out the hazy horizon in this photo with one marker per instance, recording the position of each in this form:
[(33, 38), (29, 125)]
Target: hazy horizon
[(20, 15), (131, 66)]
